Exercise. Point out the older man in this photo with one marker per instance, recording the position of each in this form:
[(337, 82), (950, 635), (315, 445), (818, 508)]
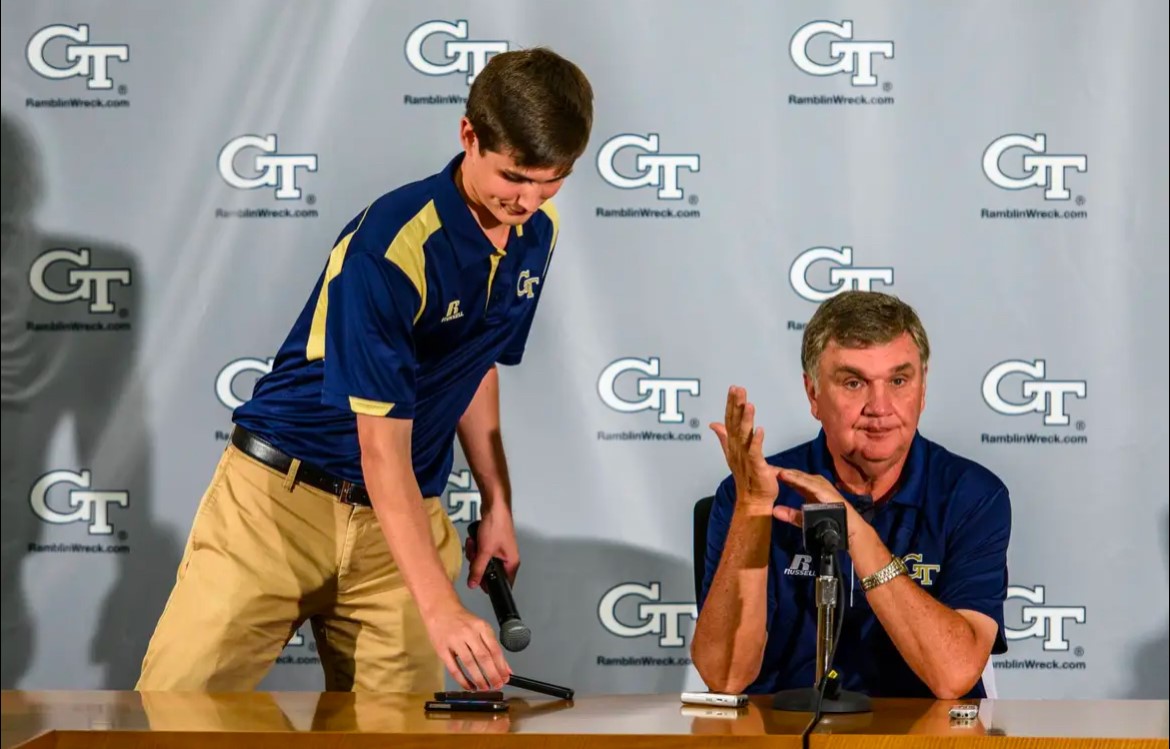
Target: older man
[(927, 530)]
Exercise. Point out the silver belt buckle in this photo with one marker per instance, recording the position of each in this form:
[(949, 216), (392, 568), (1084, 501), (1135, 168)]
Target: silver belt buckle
[(346, 494)]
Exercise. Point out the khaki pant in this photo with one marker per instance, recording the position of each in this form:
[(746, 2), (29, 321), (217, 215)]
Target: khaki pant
[(263, 556)]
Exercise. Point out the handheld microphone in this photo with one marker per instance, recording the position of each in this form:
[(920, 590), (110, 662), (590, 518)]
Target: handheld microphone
[(514, 633)]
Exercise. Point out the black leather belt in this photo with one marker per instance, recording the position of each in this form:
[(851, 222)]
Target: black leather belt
[(256, 448)]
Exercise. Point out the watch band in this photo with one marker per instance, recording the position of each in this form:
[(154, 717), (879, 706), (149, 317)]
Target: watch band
[(895, 568)]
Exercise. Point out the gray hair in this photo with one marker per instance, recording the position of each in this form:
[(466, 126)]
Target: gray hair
[(856, 319)]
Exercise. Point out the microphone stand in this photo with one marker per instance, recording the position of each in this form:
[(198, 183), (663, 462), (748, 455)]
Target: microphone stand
[(541, 687), (835, 700)]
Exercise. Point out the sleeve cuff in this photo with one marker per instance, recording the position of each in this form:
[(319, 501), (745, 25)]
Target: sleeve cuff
[(368, 407)]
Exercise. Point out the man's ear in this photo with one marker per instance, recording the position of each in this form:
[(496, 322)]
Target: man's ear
[(810, 389), (467, 135)]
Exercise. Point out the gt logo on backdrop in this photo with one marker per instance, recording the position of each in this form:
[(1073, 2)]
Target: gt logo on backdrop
[(459, 54), (1040, 395), (86, 506), (653, 616), (463, 498), (652, 169), (662, 394), (89, 61), (85, 283), (226, 379), (1046, 622), (270, 168), (845, 54), (842, 275), (1040, 168)]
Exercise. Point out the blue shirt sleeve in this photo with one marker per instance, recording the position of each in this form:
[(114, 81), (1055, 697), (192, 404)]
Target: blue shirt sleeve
[(513, 353), (369, 338), (974, 573)]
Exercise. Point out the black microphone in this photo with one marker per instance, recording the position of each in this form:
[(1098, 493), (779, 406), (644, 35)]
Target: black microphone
[(514, 633), (824, 528)]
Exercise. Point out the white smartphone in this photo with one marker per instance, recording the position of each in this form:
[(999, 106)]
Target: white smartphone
[(964, 712), (703, 711), (715, 699)]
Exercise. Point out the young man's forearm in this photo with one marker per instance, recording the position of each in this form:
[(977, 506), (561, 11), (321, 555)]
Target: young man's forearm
[(398, 505), (732, 631)]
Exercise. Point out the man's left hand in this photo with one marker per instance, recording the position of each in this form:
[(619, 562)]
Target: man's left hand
[(497, 538), (815, 488)]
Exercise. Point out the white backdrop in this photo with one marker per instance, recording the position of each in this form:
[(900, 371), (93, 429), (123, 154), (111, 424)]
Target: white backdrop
[(999, 165)]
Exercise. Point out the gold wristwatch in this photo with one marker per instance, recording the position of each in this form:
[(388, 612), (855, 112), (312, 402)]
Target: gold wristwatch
[(885, 574)]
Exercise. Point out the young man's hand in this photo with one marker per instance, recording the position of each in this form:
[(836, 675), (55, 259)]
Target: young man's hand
[(497, 538), (461, 638)]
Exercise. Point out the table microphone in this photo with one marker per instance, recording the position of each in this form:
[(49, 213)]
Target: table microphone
[(514, 633)]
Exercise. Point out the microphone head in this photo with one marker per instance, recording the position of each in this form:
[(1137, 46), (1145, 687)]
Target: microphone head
[(515, 635), (824, 527)]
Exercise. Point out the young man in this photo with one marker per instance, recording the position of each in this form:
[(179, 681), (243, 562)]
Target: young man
[(927, 530), (325, 506)]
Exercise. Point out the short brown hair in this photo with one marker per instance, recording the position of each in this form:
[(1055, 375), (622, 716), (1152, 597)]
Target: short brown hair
[(857, 319), (534, 105)]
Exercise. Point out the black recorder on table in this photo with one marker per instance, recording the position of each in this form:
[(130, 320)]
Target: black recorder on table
[(475, 702)]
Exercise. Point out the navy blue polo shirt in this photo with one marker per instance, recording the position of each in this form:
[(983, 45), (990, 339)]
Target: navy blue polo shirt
[(949, 521), (413, 308)]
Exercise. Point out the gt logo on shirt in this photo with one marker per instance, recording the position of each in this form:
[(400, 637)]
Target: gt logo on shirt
[(922, 573), (525, 283), (653, 169), (1043, 396), (464, 500), (842, 275), (226, 379), (90, 61), (1040, 169), (459, 55), (848, 56), (662, 393), (85, 284), (654, 618), (279, 171), (1043, 621), (92, 507)]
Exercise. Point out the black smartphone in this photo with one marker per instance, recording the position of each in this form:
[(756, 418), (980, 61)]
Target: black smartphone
[(470, 706), (494, 696)]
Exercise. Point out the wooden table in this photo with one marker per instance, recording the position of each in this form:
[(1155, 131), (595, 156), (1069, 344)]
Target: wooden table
[(291, 720)]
